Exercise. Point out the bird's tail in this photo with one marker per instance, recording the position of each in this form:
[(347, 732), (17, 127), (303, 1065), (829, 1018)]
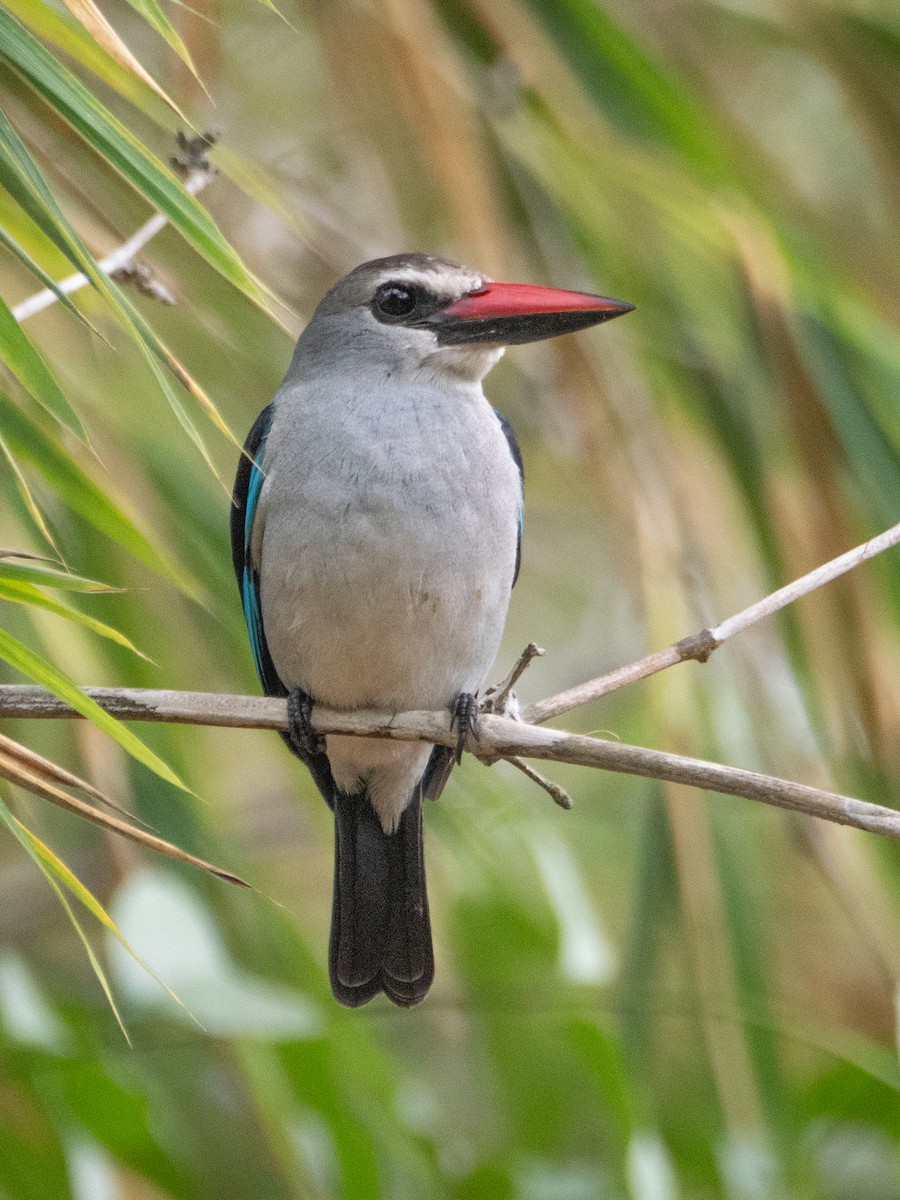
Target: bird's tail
[(380, 930)]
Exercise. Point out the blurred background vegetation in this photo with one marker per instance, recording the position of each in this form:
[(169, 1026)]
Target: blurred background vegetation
[(661, 994)]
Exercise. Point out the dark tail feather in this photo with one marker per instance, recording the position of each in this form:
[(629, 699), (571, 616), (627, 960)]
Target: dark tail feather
[(441, 763), (380, 930)]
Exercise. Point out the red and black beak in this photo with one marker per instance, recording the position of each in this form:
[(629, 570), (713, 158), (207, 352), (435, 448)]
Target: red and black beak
[(511, 313)]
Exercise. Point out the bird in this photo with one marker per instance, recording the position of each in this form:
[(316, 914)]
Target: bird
[(376, 534)]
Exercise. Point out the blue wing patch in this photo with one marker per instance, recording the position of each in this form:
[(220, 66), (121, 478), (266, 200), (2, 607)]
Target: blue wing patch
[(247, 488), (250, 581), (253, 616)]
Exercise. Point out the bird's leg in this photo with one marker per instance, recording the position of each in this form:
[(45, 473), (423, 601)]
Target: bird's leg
[(464, 719), (305, 741)]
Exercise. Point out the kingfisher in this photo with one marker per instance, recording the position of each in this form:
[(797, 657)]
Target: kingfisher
[(376, 534)]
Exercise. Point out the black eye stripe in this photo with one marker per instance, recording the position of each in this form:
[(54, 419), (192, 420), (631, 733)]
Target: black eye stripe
[(397, 302)]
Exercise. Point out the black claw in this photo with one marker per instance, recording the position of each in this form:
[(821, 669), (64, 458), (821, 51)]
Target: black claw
[(464, 719), (304, 740)]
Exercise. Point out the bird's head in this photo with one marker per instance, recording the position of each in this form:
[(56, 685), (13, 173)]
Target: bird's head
[(417, 312)]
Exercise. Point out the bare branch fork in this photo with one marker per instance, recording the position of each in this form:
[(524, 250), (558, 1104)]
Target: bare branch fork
[(501, 736), (122, 264)]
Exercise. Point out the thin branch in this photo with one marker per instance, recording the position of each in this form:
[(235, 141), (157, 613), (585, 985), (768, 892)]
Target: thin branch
[(806, 584), (501, 699), (498, 737), (122, 260), (555, 791), (501, 737), (699, 646), (142, 704)]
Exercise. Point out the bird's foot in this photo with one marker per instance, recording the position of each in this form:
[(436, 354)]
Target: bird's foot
[(464, 719), (305, 741)]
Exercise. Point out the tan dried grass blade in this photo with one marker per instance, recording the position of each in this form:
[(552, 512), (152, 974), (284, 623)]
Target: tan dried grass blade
[(39, 776), (90, 16)]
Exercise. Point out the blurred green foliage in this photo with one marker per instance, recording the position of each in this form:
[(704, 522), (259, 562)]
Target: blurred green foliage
[(661, 994)]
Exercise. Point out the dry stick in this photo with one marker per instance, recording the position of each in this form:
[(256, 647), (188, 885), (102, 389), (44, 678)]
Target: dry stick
[(121, 258), (699, 646), (497, 737), (500, 737), (555, 791), (500, 699)]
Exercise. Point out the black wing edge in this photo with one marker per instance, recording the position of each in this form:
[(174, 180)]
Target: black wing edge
[(516, 453), (240, 548), (255, 438)]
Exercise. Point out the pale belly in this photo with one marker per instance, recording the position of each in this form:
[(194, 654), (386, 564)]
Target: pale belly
[(388, 589), (364, 630)]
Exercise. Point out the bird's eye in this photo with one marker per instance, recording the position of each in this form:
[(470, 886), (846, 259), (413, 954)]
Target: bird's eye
[(393, 301)]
